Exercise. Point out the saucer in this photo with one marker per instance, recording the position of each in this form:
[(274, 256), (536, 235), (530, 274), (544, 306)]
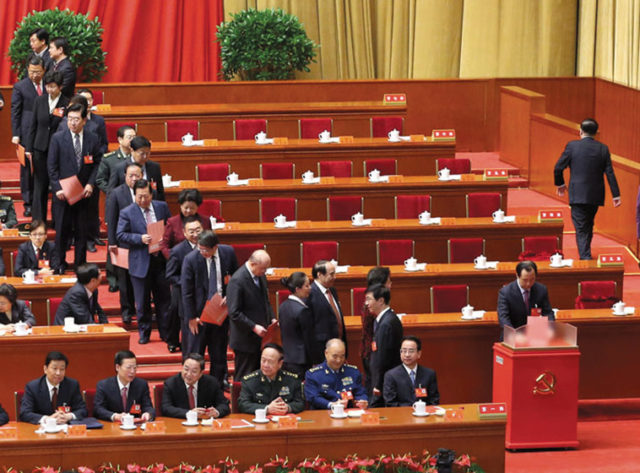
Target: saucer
[(618, 313), (445, 179), (499, 221), (131, 427), (236, 183), (208, 421), (362, 224), (397, 140), (413, 270), (58, 428), (439, 411), (263, 421), (468, 317), (355, 412), (74, 329), (551, 265), (420, 415), (189, 424), (343, 416), (486, 266), (324, 142), (281, 226)]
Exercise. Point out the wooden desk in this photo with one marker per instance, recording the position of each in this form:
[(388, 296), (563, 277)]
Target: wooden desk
[(461, 352), (358, 244), (216, 119), (39, 292), (10, 244), (414, 158), (398, 432), (90, 357), (410, 290), (240, 203)]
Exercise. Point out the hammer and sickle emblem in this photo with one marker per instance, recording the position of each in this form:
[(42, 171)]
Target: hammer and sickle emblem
[(545, 384)]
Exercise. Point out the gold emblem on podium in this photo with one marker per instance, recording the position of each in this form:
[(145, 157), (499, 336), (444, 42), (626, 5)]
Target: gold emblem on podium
[(545, 384)]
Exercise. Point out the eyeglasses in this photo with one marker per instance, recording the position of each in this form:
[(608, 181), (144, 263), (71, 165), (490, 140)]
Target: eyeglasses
[(39, 234), (408, 351)]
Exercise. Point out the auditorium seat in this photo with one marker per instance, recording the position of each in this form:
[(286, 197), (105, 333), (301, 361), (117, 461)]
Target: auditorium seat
[(281, 296), (596, 295), (12, 262), (342, 207), (277, 171), (174, 130), (539, 248), (464, 250), (17, 400), (455, 165), (410, 206), (311, 127), (211, 208), (236, 387), (112, 129), (387, 167), (357, 300), (89, 396), (244, 250), (393, 252), (52, 307), (483, 204), (312, 251), (381, 126), (451, 298), (248, 129), (335, 168), (98, 97), (212, 171), (156, 395), (271, 207)]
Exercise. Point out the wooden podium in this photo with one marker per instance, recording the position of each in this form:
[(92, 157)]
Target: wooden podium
[(535, 371)]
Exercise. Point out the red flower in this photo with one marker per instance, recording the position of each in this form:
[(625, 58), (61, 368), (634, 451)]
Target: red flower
[(85, 469), (433, 460), (463, 460), (133, 468)]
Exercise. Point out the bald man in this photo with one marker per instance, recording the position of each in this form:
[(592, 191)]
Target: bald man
[(249, 312)]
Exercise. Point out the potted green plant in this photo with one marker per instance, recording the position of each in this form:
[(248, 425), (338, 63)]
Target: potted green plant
[(84, 36), (264, 45)]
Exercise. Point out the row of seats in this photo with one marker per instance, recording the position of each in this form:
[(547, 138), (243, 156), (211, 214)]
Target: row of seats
[(174, 130), (386, 166)]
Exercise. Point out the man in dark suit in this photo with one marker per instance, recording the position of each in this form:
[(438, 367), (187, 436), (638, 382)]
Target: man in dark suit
[(59, 50), (387, 336), (192, 389), (203, 275), (2, 268), (588, 160), (53, 395), (123, 393), (4, 417), (118, 200), (140, 152), (249, 312), (23, 97), (73, 152), (47, 111), (37, 254), (516, 299), (327, 314), (191, 228), (147, 271), (39, 42), (81, 300), (410, 382)]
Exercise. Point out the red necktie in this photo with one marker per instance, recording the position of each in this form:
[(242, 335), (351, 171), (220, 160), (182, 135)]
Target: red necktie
[(54, 398), (39, 89), (526, 300), (192, 399), (124, 399)]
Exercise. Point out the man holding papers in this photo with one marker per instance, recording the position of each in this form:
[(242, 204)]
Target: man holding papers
[(204, 283), (140, 229), (73, 160)]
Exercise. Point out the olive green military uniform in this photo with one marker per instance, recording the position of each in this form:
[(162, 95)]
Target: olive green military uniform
[(258, 391), (7, 212), (108, 166)]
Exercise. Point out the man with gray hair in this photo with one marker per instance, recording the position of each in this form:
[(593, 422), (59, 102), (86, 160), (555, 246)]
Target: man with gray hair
[(249, 312)]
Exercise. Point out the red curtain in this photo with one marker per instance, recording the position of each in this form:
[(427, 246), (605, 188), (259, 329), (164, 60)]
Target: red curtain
[(145, 40)]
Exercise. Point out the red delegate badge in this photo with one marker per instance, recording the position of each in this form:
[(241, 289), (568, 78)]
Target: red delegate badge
[(374, 346), (43, 263), (346, 395), (88, 159), (58, 112), (135, 409), (421, 392)]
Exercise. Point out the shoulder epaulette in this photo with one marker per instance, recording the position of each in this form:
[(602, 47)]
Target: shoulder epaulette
[(289, 373), (315, 368), (251, 375), (351, 366), (5, 197), (111, 153)]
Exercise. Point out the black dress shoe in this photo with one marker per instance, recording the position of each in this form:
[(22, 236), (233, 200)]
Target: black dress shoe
[(126, 319), (98, 242), (91, 247), (226, 386), (143, 341), (27, 211), (172, 348), (114, 288)]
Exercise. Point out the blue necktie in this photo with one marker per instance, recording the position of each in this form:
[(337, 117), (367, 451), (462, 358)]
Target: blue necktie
[(412, 375), (213, 283)]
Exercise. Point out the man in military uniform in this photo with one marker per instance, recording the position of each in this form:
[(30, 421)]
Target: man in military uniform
[(270, 387), (333, 381), (8, 216)]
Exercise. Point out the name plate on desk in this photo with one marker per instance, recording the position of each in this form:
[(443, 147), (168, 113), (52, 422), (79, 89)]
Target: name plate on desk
[(288, 422), (280, 140), (495, 410), (496, 174), (9, 432), (346, 139), (610, 260), (155, 427), (394, 99), (210, 142), (416, 138), (77, 430), (549, 215), (10, 232), (443, 135), (370, 418), (221, 424)]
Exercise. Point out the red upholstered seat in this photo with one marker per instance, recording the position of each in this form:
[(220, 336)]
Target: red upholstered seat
[(248, 129), (17, 400), (381, 126), (277, 171), (312, 251), (387, 167), (410, 206), (357, 300), (244, 250), (52, 308), (449, 298), (335, 168), (271, 207), (112, 129), (281, 296), (235, 395), (342, 207), (12, 259), (390, 252), (98, 97), (464, 250), (312, 127), (483, 204), (174, 130), (212, 171), (539, 248), (596, 295), (211, 208), (89, 395), (158, 390), (455, 165)]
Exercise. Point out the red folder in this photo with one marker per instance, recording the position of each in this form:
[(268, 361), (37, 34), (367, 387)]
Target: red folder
[(214, 312), (72, 189), (272, 335), (120, 257), (156, 230)]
